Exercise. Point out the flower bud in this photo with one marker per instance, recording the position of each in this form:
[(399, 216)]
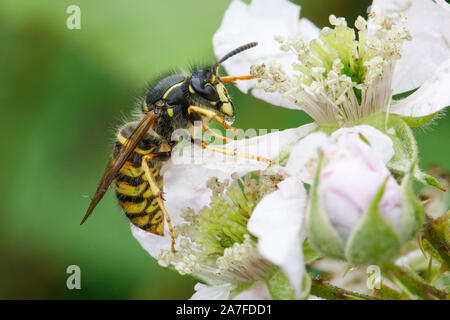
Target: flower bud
[(358, 211)]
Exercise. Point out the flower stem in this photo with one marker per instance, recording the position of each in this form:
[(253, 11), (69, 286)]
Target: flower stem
[(412, 284), (327, 291), (436, 233)]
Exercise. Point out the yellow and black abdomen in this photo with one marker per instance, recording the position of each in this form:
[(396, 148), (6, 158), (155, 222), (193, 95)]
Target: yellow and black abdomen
[(132, 188)]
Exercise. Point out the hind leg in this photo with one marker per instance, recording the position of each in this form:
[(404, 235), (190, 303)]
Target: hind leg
[(156, 191)]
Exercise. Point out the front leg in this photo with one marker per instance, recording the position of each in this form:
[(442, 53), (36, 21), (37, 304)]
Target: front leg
[(229, 152)]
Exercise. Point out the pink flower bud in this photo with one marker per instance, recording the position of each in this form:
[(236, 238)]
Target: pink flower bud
[(348, 184)]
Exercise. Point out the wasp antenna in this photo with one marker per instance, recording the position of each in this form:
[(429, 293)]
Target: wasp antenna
[(235, 52)]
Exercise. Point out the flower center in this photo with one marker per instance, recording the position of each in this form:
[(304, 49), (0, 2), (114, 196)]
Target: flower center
[(342, 76), (215, 241)]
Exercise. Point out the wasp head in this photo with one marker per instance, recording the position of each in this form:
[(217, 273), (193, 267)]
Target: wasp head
[(206, 83)]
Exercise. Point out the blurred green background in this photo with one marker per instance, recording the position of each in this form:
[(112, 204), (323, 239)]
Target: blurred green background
[(62, 95)]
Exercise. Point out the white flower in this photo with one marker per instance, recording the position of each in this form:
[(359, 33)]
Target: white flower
[(304, 156), (189, 180), (339, 78), (356, 211), (257, 291), (278, 219), (205, 292)]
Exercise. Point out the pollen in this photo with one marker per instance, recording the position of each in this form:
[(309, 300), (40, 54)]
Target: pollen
[(215, 241), (343, 75)]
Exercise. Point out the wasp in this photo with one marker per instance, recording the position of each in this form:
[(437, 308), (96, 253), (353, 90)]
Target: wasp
[(142, 147)]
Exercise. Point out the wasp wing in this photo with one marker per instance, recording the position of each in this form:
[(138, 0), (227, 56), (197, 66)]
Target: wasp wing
[(119, 159)]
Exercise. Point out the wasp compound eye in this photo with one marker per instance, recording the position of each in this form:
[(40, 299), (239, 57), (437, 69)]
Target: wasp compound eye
[(204, 89)]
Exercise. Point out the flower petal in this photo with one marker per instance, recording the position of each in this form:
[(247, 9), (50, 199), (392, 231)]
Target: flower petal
[(429, 25), (430, 98), (260, 21), (303, 159), (205, 292), (277, 221)]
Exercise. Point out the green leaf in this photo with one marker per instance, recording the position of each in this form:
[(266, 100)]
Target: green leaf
[(372, 240), (322, 236)]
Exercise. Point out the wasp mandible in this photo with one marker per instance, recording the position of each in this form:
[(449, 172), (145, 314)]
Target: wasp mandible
[(142, 147)]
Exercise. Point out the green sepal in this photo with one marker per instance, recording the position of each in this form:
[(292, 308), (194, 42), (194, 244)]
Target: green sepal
[(239, 288), (309, 254), (415, 122), (283, 157), (405, 147), (322, 236), (413, 212), (427, 179), (372, 241), (280, 288), (403, 95)]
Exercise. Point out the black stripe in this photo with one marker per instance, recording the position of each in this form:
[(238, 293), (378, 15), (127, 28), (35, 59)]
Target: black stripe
[(135, 215), (124, 198), (132, 181), (147, 226)]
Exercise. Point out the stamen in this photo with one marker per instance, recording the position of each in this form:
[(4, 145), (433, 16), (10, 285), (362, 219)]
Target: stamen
[(215, 242), (339, 78)]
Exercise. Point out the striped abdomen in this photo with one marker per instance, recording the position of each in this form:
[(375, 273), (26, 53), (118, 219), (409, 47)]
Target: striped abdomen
[(132, 188)]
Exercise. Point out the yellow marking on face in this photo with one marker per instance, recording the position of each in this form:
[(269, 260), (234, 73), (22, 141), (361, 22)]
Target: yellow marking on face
[(222, 92), (130, 190), (190, 89), (170, 112), (144, 106), (171, 88), (124, 140), (226, 107), (131, 207)]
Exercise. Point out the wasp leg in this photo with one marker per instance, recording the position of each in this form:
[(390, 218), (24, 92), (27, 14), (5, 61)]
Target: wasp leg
[(211, 115), (233, 153), (218, 136), (233, 79), (157, 193)]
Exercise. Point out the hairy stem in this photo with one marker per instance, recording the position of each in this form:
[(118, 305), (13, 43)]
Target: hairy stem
[(436, 233), (412, 284), (327, 291)]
